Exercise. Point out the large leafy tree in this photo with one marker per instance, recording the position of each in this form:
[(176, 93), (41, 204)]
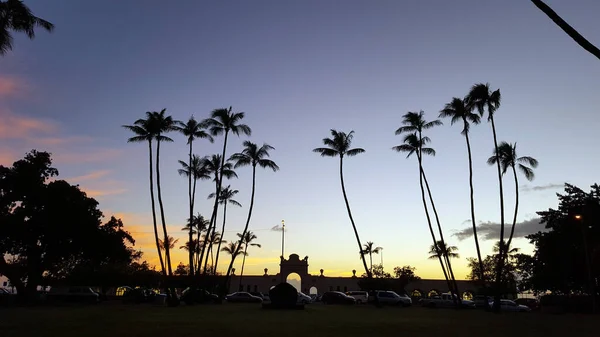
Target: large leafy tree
[(224, 122), (15, 16), (226, 197), (51, 228), (192, 130), (340, 145), (459, 111), (254, 156)]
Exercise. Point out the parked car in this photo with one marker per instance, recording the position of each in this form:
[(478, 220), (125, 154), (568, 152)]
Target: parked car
[(265, 297), (532, 303), (73, 294), (243, 297), (444, 301), (391, 298), (198, 296), (359, 296), (303, 298), (336, 297), (481, 300), (508, 305)]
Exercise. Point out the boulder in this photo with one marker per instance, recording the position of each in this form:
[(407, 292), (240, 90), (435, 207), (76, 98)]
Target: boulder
[(283, 296)]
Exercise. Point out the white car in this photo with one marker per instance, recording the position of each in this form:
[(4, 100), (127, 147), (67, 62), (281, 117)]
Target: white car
[(303, 298), (359, 296), (508, 305)]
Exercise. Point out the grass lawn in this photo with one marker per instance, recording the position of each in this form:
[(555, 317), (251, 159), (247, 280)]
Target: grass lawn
[(247, 320)]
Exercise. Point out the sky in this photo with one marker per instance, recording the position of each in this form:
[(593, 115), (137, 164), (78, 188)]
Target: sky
[(298, 69)]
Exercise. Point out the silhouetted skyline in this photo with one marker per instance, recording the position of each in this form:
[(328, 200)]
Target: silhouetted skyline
[(299, 69)]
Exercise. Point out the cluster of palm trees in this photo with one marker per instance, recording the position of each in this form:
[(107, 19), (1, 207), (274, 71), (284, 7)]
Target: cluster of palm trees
[(202, 233), (467, 111)]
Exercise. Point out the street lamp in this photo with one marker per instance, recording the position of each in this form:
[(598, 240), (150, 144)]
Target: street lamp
[(282, 238), (591, 288)]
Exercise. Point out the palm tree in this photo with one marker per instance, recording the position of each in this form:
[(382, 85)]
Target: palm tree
[(201, 225), (252, 155), (222, 122), (339, 146), (511, 253), (233, 249), (246, 240), (213, 240), (412, 143), (161, 125), (168, 244), (144, 133), (449, 251), (414, 122), (192, 130), (226, 197), (459, 111), (16, 16), (214, 166), (370, 250), (507, 157), (583, 42), (197, 171)]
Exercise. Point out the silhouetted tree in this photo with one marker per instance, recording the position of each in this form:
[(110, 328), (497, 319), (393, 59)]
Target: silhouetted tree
[(181, 269), (370, 250), (16, 16), (459, 111), (583, 42), (226, 197), (192, 130), (246, 240), (339, 146), (252, 155), (144, 131)]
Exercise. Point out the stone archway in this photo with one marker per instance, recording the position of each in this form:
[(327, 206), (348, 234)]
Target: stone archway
[(296, 280), (313, 290), (296, 265)]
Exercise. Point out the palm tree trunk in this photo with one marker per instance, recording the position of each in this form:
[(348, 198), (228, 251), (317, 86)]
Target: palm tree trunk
[(437, 220), (237, 249), (369, 274), (371, 262), (500, 263), (162, 211), (191, 234), (243, 264), (213, 216), (162, 264), (473, 209), (210, 248), (203, 249), (437, 250), (220, 241), (512, 229), (195, 248), (582, 41)]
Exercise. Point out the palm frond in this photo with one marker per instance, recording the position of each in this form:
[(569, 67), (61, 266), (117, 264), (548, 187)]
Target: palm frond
[(354, 152), (325, 152), (527, 172), (428, 151), (267, 163), (529, 161)]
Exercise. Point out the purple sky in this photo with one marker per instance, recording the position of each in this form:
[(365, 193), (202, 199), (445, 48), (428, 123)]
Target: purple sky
[(299, 69)]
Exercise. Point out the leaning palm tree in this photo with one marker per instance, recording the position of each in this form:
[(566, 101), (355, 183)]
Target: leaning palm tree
[(254, 156), (339, 146), (144, 133), (246, 240), (162, 124), (226, 197), (233, 249), (217, 169), (414, 122), (222, 122), (16, 16), (413, 144), (192, 130), (507, 157), (459, 111)]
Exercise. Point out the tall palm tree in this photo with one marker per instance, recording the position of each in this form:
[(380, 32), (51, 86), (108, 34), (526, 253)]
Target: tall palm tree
[(162, 124), (252, 155), (413, 144), (168, 244), (339, 146), (414, 122), (201, 226), (144, 133), (459, 111), (370, 250), (246, 240), (16, 16), (197, 171), (507, 157), (226, 197), (215, 167), (213, 240), (222, 122), (192, 130)]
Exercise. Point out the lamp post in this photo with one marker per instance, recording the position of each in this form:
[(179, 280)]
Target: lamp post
[(591, 287), (282, 238)]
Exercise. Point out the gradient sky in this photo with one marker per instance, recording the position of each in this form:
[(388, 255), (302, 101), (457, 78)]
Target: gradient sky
[(298, 69)]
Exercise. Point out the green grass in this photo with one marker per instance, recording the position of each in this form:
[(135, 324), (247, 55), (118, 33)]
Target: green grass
[(250, 320)]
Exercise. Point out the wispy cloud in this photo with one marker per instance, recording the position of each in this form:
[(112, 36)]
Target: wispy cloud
[(537, 188), (12, 86), (491, 230), (14, 126), (94, 175), (88, 156)]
